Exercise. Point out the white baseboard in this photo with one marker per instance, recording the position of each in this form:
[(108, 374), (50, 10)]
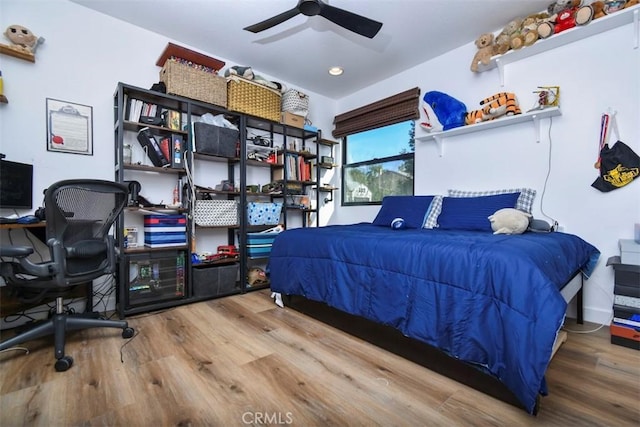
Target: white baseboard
[(591, 314)]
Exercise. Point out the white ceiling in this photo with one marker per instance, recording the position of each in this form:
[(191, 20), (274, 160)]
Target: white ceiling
[(302, 49)]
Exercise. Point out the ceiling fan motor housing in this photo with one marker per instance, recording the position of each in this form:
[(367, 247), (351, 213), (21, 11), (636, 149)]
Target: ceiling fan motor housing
[(309, 7)]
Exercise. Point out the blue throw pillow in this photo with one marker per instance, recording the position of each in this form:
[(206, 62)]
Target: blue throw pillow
[(412, 209), (472, 213)]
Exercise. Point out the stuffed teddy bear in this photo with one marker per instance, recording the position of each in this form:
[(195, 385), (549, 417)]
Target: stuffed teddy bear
[(502, 42), (562, 17), (484, 43), (528, 32), (509, 221)]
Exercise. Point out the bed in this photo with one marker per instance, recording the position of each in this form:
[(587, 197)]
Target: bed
[(494, 303)]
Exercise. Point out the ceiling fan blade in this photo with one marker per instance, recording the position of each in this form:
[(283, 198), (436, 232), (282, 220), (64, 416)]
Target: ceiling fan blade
[(358, 24), (273, 21)]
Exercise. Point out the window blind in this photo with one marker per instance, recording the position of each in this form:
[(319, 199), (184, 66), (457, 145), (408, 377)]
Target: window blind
[(394, 109)]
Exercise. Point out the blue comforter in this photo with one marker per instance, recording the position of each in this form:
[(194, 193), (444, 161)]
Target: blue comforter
[(490, 300)]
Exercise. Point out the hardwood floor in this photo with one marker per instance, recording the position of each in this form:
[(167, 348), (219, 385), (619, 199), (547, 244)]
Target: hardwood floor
[(243, 361)]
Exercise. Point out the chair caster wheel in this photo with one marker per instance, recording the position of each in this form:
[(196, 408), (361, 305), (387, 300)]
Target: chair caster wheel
[(64, 363), (127, 332)]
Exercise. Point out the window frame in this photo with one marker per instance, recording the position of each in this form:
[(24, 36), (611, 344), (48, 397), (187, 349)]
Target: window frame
[(409, 155)]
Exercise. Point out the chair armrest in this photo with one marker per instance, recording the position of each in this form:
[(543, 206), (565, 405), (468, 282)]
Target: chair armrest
[(16, 251)]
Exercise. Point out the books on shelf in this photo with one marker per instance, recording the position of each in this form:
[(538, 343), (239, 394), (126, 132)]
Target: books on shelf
[(297, 169), (152, 147), (177, 151), (147, 112), (173, 119)]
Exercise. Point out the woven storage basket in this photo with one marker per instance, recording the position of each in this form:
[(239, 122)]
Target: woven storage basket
[(245, 96), (190, 82), (216, 213)]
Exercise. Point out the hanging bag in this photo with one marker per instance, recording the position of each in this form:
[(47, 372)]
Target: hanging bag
[(619, 164)]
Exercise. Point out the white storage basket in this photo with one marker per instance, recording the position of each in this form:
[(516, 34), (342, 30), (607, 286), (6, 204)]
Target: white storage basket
[(216, 213), (295, 102)]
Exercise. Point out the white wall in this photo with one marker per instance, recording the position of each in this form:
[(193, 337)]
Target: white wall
[(597, 73), (87, 53), (83, 58)]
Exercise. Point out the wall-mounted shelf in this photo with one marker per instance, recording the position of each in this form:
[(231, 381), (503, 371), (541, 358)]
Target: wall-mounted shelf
[(17, 52), (597, 26), (532, 116)]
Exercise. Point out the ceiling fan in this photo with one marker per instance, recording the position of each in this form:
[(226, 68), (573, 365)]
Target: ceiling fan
[(358, 24)]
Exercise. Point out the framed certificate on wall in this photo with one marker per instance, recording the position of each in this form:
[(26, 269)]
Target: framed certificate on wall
[(69, 127)]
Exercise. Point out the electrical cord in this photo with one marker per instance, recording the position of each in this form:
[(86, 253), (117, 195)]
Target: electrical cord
[(554, 227), (597, 285), (25, 349)]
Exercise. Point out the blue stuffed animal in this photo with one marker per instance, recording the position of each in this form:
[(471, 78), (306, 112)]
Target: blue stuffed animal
[(449, 111)]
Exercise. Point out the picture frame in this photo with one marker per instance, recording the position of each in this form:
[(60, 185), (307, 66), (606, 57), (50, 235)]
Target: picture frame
[(69, 127)]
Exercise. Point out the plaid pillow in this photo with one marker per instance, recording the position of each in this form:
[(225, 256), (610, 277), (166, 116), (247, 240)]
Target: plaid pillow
[(433, 212), (524, 203)]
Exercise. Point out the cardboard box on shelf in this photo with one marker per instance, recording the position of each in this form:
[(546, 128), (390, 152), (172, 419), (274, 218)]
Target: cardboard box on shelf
[(291, 119)]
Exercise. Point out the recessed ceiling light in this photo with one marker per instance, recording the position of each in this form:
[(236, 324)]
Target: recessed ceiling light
[(336, 71)]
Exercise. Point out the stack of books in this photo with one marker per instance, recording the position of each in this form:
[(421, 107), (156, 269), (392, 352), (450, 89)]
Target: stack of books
[(162, 150), (165, 231), (625, 327)]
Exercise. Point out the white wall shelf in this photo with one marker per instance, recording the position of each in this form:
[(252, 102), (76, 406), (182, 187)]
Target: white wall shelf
[(597, 26), (532, 116)]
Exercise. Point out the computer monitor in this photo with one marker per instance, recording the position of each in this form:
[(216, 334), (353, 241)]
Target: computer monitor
[(16, 185)]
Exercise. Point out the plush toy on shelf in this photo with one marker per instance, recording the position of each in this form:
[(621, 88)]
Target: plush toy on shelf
[(528, 34), (589, 12), (630, 3), (484, 43), (493, 107), (562, 17), (447, 112), (23, 39), (503, 40)]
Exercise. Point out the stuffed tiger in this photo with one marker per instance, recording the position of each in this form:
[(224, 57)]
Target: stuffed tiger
[(500, 104), (473, 117)]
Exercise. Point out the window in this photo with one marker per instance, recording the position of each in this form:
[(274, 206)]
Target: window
[(378, 163)]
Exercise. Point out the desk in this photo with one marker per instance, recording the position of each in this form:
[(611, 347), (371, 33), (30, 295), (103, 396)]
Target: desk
[(38, 229), (40, 224)]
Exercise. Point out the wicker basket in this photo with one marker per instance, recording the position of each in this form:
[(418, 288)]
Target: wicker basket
[(190, 82), (245, 96)]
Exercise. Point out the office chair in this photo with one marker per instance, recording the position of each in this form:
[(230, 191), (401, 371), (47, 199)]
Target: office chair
[(79, 215)]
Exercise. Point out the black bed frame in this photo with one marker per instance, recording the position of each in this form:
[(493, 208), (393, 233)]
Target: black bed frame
[(430, 357)]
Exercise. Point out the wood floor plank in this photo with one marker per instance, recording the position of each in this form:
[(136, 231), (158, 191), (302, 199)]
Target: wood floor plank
[(241, 360)]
